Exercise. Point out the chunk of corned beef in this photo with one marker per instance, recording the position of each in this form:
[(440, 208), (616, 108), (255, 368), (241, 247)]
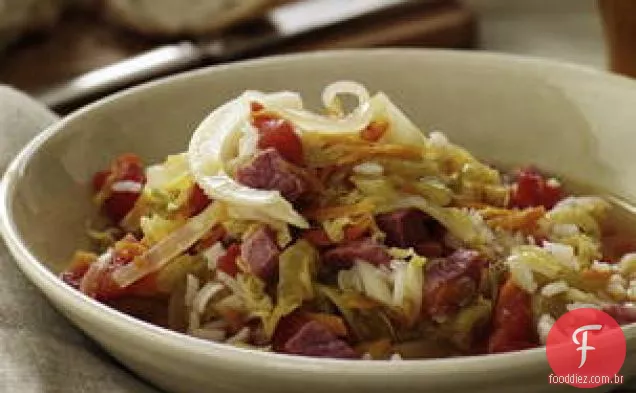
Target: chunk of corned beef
[(623, 313), (261, 252), (268, 170), (451, 282), (369, 250), (404, 227), (314, 339)]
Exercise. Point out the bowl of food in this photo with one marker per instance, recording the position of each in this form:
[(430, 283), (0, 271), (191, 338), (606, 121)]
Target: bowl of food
[(410, 220)]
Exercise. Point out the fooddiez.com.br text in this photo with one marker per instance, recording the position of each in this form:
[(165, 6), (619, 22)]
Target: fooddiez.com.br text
[(585, 379)]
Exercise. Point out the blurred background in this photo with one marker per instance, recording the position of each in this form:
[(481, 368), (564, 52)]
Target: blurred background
[(69, 52)]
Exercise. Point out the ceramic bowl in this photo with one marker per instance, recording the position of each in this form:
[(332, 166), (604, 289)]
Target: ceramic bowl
[(573, 121)]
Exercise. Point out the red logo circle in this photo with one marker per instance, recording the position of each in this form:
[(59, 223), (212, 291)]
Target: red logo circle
[(585, 348)]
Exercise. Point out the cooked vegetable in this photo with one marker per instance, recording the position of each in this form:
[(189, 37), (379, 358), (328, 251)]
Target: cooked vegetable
[(347, 234)]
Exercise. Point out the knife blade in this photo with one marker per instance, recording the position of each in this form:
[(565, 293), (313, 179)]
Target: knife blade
[(289, 21)]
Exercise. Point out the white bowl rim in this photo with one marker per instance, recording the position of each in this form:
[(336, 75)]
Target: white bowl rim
[(254, 360)]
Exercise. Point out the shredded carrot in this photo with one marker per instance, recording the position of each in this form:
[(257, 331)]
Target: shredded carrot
[(332, 322), (590, 276), (374, 131), (513, 220), (363, 153), (329, 212), (82, 259), (326, 140), (256, 106), (129, 248)]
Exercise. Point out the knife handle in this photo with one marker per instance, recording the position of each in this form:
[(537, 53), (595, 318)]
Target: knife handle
[(147, 65)]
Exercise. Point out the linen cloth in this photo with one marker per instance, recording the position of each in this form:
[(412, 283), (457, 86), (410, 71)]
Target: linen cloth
[(40, 351)]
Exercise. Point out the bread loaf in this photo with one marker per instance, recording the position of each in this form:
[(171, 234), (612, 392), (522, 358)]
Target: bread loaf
[(183, 17)]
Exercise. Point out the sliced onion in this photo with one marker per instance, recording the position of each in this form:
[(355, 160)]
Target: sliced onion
[(205, 294), (413, 285), (399, 283), (305, 120), (169, 247), (192, 288), (330, 94), (90, 282)]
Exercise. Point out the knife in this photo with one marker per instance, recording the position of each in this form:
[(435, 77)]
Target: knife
[(289, 21)]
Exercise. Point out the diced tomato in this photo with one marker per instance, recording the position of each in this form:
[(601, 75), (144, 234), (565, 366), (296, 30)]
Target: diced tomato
[(532, 189), (119, 204), (79, 266), (318, 237), (128, 167), (197, 201), (109, 289), (116, 204), (374, 131), (279, 134), (216, 234), (512, 322), (99, 179), (227, 263), (104, 288)]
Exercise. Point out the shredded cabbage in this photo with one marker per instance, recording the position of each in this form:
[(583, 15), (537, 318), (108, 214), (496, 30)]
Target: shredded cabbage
[(252, 292), (374, 282), (526, 259), (169, 174), (335, 228), (468, 321), (156, 227), (296, 272), (584, 212), (176, 271)]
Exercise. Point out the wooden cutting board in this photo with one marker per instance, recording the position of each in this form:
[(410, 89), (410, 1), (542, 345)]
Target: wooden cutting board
[(84, 42)]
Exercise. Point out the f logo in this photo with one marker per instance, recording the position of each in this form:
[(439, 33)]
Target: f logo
[(574, 337), (583, 344)]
